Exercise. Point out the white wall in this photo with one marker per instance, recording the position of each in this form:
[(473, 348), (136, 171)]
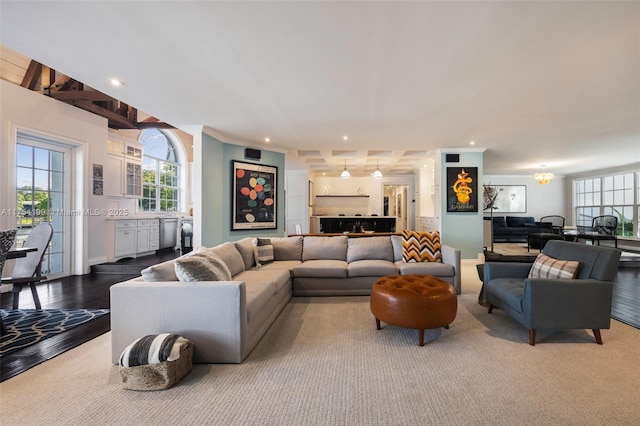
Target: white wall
[(542, 200), (23, 109)]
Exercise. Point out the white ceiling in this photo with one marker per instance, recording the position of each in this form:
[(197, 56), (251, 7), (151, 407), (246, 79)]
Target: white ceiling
[(533, 83)]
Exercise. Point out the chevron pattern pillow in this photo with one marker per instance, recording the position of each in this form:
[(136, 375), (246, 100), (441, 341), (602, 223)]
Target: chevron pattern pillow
[(421, 246)]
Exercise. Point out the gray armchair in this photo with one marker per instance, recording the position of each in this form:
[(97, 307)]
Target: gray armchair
[(536, 303)]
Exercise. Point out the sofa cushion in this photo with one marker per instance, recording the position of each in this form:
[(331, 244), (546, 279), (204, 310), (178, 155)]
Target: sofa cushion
[(498, 221), (287, 248), (202, 266), (519, 221), (230, 256), (549, 267), (279, 264), (324, 248), (369, 248), (371, 268), (436, 269), (421, 246), (258, 293), (508, 290), (279, 278), (246, 249), (396, 243), (321, 268), (264, 251)]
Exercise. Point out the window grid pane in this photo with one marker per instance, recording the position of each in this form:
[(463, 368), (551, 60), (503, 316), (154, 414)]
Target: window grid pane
[(161, 185), (620, 198)]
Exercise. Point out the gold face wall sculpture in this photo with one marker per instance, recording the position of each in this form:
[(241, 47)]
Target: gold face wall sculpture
[(461, 187)]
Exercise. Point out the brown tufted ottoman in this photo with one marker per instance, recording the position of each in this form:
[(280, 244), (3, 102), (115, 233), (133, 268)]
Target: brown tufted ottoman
[(414, 301)]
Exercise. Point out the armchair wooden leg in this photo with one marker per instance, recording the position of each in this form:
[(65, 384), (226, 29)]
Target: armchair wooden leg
[(378, 324), (490, 308), (596, 333), (532, 337), (421, 337)]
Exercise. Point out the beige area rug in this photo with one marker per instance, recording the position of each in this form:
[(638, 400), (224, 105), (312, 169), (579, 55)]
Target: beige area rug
[(323, 362), (514, 249)]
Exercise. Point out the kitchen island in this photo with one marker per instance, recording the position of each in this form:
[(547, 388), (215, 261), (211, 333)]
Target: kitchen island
[(356, 224)]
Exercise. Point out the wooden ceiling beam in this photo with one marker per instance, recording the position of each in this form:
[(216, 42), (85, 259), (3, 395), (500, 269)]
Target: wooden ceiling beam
[(78, 95), (70, 91), (32, 75), (141, 125), (116, 120), (47, 78)]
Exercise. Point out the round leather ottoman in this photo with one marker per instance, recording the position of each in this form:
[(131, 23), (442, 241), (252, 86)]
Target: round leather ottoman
[(414, 301)]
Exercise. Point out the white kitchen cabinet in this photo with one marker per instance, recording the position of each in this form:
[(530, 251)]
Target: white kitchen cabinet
[(124, 237), (154, 234), (125, 166), (132, 237), (142, 236), (148, 236)]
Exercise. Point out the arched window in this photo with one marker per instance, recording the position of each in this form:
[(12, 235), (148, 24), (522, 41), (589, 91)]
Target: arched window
[(161, 171)]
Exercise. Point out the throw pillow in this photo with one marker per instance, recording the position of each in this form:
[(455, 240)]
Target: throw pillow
[(264, 251), (421, 246), (164, 271), (202, 266), (246, 249), (152, 349), (549, 267)]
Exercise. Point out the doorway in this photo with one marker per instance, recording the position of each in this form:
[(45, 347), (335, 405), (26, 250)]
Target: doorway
[(395, 203), (43, 187)]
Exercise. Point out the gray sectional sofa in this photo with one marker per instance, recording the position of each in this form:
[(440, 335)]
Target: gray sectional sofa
[(226, 319)]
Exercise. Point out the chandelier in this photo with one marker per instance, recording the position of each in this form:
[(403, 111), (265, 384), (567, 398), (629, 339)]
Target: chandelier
[(544, 177)]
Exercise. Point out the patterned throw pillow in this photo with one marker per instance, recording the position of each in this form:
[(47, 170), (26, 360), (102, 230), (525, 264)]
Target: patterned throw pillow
[(152, 349), (202, 266), (421, 246), (264, 251), (549, 267)]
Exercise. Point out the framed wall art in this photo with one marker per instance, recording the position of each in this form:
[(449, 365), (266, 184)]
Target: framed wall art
[(462, 189), (253, 204), (98, 179), (510, 199)]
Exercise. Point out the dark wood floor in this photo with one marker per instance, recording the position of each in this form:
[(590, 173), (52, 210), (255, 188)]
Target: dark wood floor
[(92, 292), (89, 291)]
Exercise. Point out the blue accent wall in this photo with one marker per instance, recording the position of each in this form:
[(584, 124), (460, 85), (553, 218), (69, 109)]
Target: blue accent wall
[(216, 191), (462, 230)]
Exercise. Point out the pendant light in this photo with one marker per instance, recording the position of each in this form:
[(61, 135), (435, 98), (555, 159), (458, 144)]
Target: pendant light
[(377, 174), (345, 174)]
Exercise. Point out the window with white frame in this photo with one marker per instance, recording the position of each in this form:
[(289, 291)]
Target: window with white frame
[(160, 173), (613, 194)]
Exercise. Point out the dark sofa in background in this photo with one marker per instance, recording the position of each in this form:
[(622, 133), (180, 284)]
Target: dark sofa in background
[(511, 229)]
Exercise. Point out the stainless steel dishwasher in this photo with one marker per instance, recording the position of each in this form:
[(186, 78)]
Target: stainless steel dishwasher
[(168, 232)]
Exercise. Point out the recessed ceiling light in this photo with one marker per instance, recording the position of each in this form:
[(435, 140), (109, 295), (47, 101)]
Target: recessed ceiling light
[(267, 139), (345, 138), (115, 82), (472, 143)]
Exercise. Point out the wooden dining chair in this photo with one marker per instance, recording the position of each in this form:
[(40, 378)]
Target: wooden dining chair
[(6, 241), (27, 270)]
